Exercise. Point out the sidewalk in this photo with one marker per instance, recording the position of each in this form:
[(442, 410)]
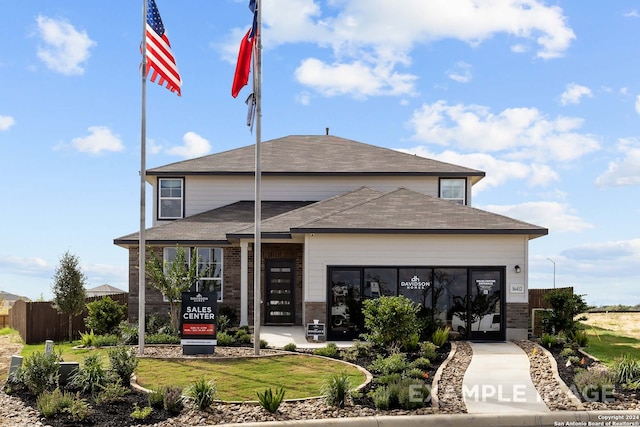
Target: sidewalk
[(498, 381)]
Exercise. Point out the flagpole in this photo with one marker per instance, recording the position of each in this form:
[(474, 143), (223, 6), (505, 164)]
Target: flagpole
[(143, 168), (257, 253)]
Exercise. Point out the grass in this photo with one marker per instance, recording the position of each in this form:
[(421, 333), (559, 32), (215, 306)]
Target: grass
[(8, 331), (240, 379), (607, 345)]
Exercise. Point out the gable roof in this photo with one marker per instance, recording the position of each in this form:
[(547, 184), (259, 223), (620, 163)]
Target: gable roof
[(315, 155), (103, 290), (364, 210)]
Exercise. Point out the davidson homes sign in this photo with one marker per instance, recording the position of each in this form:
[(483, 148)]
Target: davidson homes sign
[(198, 322)]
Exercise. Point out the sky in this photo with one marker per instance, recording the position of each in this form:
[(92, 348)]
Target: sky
[(543, 96)]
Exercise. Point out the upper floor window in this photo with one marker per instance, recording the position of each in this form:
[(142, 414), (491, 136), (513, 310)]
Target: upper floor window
[(454, 189), (171, 198), (209, 268)]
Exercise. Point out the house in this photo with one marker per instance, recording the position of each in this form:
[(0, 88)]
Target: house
[(342, 221), (103, 290)]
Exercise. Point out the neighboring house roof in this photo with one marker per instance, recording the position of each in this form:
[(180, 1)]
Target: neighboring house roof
[(315, 155), (210, 226), (365, 210), (103, 290), (6, 296)]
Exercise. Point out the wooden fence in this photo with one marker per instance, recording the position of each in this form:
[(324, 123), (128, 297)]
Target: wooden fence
[(537, 305), (39, 321), (4, 320)]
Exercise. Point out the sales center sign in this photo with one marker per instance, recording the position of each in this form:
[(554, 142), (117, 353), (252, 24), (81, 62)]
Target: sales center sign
[(198, 318)]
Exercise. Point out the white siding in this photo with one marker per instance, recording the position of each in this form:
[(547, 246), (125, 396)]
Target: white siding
[(208, 192), (322, 250)]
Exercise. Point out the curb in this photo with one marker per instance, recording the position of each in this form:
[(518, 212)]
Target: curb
[(563, 386), (539, 419), (435, 402)]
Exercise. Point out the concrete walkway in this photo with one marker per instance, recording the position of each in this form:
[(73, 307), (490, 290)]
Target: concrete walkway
[(498, 381)]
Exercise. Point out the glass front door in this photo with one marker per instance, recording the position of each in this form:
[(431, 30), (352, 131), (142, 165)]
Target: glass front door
[(345, 293), (280, 278), (484, 318)]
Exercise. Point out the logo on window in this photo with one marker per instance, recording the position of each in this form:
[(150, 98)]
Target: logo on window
[(416, 283)]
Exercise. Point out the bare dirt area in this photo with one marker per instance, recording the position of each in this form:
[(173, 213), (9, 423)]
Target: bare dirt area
[(9, 345), (627, 324)]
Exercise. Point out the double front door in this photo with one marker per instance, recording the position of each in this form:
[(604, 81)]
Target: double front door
[(280, 298)]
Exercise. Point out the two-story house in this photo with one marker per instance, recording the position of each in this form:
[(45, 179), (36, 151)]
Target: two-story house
[(342, 221)]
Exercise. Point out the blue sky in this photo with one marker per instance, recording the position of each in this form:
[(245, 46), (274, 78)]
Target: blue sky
[(543, 96)]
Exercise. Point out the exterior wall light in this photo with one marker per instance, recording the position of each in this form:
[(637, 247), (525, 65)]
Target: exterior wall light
[(517, 268)]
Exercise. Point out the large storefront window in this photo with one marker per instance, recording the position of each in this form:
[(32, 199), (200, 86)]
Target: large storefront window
[(468, 300)]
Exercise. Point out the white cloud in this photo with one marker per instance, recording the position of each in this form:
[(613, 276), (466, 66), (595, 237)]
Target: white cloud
[(498, 172), (557, 217), (375, 37), (31, 266), (638, 104), (194, 146), (525, 133), (100, 140), (632, 14), (625, 171), (65, 49), (6, 122), (574, 93), (462, 73)]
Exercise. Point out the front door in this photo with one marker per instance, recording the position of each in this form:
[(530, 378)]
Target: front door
[(280, 302), (485, 316)]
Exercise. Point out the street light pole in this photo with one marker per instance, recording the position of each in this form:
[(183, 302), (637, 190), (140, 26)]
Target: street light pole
[(554, 272)]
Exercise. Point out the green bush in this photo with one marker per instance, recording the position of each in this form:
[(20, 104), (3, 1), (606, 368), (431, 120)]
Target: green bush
[(79, 409), (580, 337), (40, 372), (391, 321), (230, 313), (156, 398), (50, 403), (421, 363), (88, 339), (264, 344), (104, 315), (330, 350), (388, 378), (564, 314), (626, 369), (412, 394), (574, 360), (395, 363), (337, 389), (440, 336), (548, 340), (428, 350), (222, 322), (141, 414), (595, 384), (161, 338), (224, 339), (91, 376), (567, 351), (158, 323), (128, 332), (381, 397), (290, 347), (123, 362), (202, 392), (108, 340), (271, 401), (173, 400), (242, 336), (112, 392), (413, 373)]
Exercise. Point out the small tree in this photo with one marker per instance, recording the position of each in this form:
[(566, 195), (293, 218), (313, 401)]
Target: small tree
[(173, 278), (68, 288), (391, 321), (104, 316), (565, 307)]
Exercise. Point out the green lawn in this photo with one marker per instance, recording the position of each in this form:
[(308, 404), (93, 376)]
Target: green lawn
[(240, 379), (606, 345)]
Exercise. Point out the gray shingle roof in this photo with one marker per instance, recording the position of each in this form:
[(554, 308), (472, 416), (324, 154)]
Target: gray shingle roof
[(315, 154), (365, 210)]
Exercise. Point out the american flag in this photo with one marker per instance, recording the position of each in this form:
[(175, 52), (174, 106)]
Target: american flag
[(159, 56)]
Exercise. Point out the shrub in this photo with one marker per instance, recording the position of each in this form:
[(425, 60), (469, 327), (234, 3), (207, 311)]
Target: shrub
[(112, 392), (108, 340), (105, 315), (141, 413), (381, 397), (230, 313), (264, 344), (173, 400), (88, 339), (224, 339), (156, 398), (412, 393), (290, 347), (595, 385), (270, 401), (39, 372), (391, 321), (626, 369), (223, 323), (128, 332), (580, 337), (161, 338), (413, 373), (567, 351), (574, 360), (566, 306), (123, 363), (337, 389), (330, 350), (158, 323), (79, 409), (50, 403), (548, 340), (440, 336), (91, 376), (202, 392), (421, 363), (428, 350), (389, 365), (388, 378), (242, 336), (357, 350)]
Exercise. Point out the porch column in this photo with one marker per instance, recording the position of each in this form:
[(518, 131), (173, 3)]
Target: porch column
[(244, 283)]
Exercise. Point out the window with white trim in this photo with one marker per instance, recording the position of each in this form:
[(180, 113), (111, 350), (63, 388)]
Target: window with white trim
[(170, 198), (209, 267), (454, 189)]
